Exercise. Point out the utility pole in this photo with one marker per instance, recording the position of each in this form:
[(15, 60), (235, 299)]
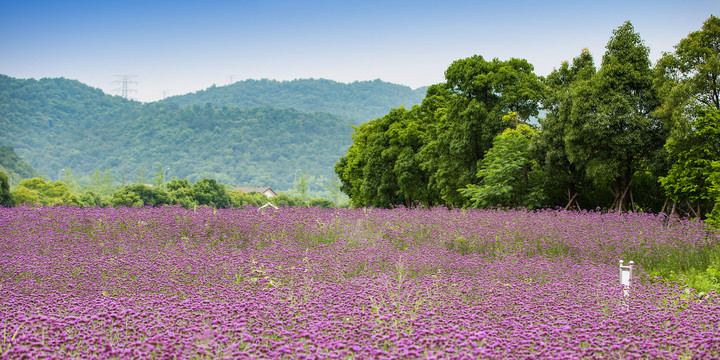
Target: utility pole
[(126, 85)]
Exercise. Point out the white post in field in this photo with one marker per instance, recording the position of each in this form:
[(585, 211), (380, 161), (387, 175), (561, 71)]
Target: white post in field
[(626, 273)]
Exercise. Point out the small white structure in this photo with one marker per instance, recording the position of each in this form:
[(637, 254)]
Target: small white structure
[(265, 190), (626, 274), (268, 204)]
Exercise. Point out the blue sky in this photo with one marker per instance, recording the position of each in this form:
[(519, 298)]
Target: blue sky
[(176, 47)]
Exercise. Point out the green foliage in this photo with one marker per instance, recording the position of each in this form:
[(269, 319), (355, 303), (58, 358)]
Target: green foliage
[(689, 80), (367, 169), (92, 199), (39, 191), (209, 192), (14, 167), (359, 101), (713, 217), (301, 186), (568, 186), (6, 198), (140, 195), (508, 175), (479, 93), (181, 193), (284, 199), (690, 76), (320, 202), (612, 134), (690, 176), (58, 124), (23, 195), (241, 198)]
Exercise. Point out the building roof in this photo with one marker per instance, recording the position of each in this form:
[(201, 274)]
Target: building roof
[(260, 189)]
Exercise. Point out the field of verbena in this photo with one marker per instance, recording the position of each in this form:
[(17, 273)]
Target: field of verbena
[(169, 283)]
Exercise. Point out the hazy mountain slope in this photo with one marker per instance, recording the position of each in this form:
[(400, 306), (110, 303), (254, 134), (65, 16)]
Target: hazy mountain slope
[(14, 167), (59, 123), (360, 101)]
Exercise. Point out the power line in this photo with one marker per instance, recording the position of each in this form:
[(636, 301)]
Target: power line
[(126, 85)]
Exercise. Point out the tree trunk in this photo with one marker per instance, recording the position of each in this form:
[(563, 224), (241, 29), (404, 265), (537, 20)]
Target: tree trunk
[(691, 208), (672, 212), (665, 204), (571, 198), (620, 196)]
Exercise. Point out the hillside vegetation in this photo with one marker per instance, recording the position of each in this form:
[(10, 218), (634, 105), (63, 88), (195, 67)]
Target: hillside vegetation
[(57, 124), (360, 101)]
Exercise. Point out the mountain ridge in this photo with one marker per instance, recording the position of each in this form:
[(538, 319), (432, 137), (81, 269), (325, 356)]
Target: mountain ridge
[(58, 123)]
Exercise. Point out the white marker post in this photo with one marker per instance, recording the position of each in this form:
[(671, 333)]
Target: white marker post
[(626, 273)]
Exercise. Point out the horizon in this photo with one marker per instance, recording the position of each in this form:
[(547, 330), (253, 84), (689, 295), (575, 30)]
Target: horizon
[(172, 49)]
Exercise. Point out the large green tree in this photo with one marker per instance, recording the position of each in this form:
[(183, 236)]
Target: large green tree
[(209, 192), (561, 85), (689, 80), (39, 191), (140, 195), (612, 133), (367, 170), (480, 92)]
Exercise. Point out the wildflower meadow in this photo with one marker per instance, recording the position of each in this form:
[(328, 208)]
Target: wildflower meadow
[(304, 283)]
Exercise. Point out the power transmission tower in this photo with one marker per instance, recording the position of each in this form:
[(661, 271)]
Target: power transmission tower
[(126, 84)]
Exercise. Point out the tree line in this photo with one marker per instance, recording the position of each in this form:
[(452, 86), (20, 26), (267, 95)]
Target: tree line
[(102, 192), (628, 135)]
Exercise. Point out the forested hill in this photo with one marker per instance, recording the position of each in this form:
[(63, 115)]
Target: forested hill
[(55, 124), (14, 167), (360, 101)]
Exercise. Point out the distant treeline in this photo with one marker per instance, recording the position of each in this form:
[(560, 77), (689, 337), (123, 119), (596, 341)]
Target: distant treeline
[(627, 135), (206, 192)]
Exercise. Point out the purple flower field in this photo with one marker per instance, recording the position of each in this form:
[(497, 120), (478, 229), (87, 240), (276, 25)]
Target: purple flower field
[(166, 283)]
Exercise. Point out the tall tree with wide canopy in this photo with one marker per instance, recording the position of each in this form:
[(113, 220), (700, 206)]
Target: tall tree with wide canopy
[(480, 93), (612, 133)]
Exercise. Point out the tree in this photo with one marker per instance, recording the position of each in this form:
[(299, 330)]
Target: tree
[(690, 77), (92, 199), (367, 170), (241, 198), (508, 174), (690, 177), (561, 84), (209, 192), (479, 94), (6, 198), (39, 191), (612, 133), (301, 186), (689, 80), (321, 203), (140, 195)]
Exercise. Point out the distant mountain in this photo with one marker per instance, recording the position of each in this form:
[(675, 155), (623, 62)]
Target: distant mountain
[(55, 124), (360, 101)]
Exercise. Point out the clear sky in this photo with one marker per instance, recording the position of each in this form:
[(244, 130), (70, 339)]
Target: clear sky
[(177, 47)]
